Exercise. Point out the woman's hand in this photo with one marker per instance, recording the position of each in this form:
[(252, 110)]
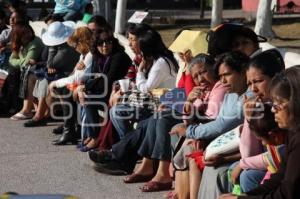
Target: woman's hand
[(114, 97), (51, 70), (51, 87), (81, 95), (145, 64), (235, 174), (32, 62), (249, 106), (179, 129), (80, 65), (194, 94)]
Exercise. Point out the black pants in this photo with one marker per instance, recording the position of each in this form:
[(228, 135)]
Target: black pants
[(125, 150), (69, 108), (10, 99)]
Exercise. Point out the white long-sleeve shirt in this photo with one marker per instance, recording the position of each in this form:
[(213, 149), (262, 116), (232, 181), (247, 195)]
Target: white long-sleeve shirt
[(160, 76), (77, 75)]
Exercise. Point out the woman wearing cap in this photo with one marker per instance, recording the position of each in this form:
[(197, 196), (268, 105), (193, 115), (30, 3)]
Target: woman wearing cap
[(26, 50), (80, 40), (111, 61), (60, 63)]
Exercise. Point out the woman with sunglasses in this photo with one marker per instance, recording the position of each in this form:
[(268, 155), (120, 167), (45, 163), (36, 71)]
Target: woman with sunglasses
[(284, 89), (110, 63)]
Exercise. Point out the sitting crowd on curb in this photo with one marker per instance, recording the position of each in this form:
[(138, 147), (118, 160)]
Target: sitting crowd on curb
[(216, 119)]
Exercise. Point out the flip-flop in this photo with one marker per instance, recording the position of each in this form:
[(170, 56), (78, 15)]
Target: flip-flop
[(21, 116), (153, 186)]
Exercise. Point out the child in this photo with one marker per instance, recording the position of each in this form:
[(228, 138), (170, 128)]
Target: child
[(267, 130)]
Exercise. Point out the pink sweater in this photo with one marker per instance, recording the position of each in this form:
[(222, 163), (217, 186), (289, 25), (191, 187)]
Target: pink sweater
[(251, 150)]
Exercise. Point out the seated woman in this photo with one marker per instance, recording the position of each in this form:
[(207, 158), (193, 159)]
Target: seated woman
[(157, 69), (4, 52), (70, 10), (231, 69), (26, 51), (157, 145), (61, 60), (284, 89), (79, 40), (10, 98), (110, 63), (263, 125), (262, 68)]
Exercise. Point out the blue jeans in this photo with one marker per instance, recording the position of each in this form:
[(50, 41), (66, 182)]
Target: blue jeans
[(251, 178), (122, 116)]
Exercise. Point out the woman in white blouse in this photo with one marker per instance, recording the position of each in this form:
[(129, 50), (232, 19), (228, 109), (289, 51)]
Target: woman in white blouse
[(158, 69)]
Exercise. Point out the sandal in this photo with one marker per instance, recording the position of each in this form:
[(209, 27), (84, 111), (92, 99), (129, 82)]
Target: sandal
[(21, 116), (135, 178), (153, 186)]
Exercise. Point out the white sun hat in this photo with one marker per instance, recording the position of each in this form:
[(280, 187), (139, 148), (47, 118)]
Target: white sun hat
[(58, 33)]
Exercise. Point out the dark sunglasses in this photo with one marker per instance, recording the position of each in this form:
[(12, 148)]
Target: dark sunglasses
[(106, 41)]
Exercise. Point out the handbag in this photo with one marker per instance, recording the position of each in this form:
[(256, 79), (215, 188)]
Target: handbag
[(141, 100), (224, 144)]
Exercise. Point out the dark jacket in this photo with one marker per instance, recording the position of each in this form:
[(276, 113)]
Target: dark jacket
[(114, 68), (286, 183), (63, 58)]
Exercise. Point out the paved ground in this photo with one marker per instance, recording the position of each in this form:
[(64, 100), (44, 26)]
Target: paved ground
[(30, 164)]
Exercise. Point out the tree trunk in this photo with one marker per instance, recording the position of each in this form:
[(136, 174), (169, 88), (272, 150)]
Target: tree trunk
[(120, 16), (216, 13), (263, 25)]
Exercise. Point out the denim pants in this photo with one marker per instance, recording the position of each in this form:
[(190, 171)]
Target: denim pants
[(157, 141), (249, 178), (123, 116)]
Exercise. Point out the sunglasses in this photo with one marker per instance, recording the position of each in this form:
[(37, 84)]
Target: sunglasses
[(104, 41), (279, 106)]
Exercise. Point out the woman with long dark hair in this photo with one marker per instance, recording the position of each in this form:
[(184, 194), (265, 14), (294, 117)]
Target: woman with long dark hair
[(111, 61), (26, 50), (157, 69)]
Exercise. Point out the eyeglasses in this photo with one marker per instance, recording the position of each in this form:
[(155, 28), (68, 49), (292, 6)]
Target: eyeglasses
[(104, 41), (279, 106)]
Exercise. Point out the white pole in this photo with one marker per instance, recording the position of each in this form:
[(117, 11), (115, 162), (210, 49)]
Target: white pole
[(120, 16), (216, 13)]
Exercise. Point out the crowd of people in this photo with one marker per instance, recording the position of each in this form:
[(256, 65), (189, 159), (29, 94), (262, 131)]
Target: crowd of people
[(79, 75)]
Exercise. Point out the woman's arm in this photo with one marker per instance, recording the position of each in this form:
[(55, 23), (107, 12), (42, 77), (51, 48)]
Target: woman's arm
[(159, 72), (32, 51)]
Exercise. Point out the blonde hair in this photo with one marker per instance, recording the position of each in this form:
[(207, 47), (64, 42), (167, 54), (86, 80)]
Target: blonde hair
[(81, 38)]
